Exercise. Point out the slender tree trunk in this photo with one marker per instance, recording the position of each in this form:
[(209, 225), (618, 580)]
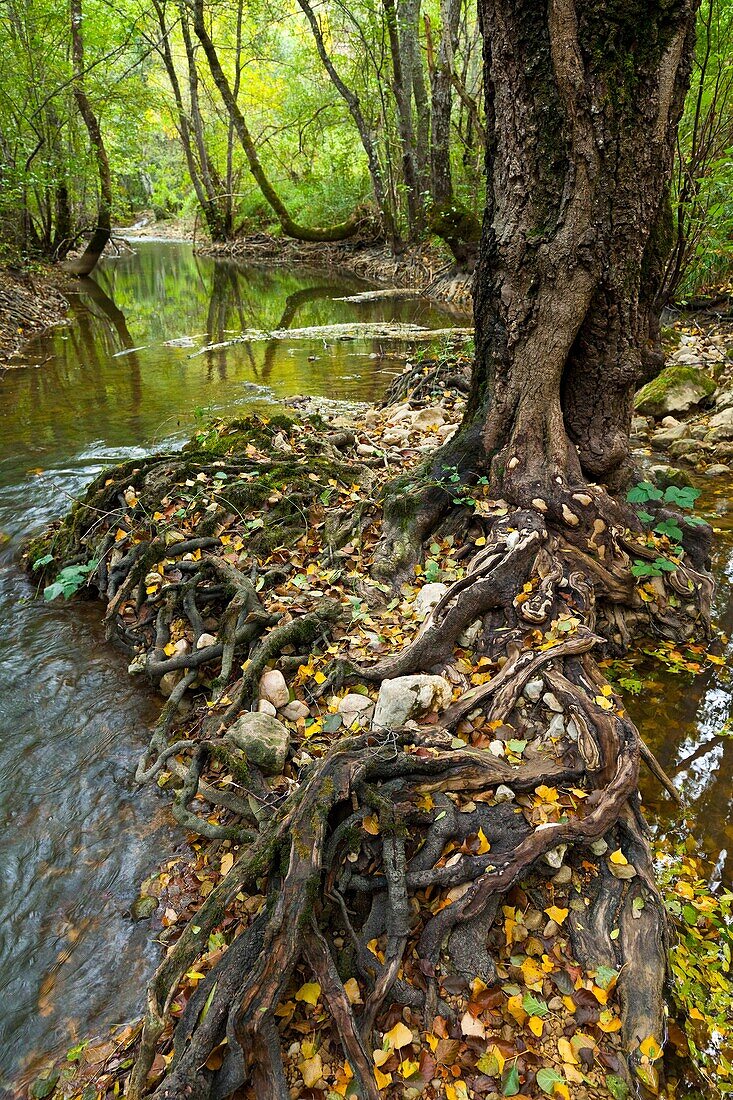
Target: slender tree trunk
[(103, 230), (367, 140), (583, 104), (403, 100), (441, 82), (289, 226), (408, 12)]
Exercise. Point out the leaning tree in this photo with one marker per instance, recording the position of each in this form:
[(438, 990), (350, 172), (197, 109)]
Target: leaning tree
[(583, 100)]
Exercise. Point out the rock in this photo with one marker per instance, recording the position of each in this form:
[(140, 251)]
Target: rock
[(663, 476), (639, 425), (205, 640), (143, 907), (408, 697), (687, 358), (598, 847), (274, 688), (721, 425), (682, 448), (503, 794), (471, 634), (394, 436), (555, 856), (400, 412), (295, 710), (678, 388), (718, 469), (169, 681), (264, 706), (445, 431), (263, 739), (428, 418), (44, 1084), (429, 597), (533, 690), (556, 727), (354, 706), (563, 876), (666, 436), (552, 702)]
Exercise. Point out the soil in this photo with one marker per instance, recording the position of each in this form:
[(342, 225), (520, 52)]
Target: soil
[(29, 303)]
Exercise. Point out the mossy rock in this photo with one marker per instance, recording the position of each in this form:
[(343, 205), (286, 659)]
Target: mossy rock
[(663, 476), (676, 389)]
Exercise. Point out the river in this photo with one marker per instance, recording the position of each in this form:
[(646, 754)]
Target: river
[(126, 376)]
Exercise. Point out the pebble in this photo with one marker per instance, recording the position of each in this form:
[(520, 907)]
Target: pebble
[(503, 794), (556, 727), (533, 690), (564, 875), (205, 640), (718, 469), (264, 706), (552, 702), (295, 710), (274, 688)]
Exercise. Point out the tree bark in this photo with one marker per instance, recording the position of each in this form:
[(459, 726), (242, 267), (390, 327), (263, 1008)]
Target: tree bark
[(441, 82), (103, 230), (583, 103)]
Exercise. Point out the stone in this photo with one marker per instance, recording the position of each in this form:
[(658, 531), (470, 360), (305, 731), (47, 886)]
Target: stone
[(205, 640), (687, 358), (295, 710), (533, 690), (429, 597), (354, 706), (264, 740), (721, 425), (665, 436), (264, 706), (428, 418), (664, 475), (552, 702), (503, 794), (407, 697), (169, 681), (678, 388), (143, 907), (555, 856), (274, 688), (718, 469), (471, 634), (556, 727), (639, 425)]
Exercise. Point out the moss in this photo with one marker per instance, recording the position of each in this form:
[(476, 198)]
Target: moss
[(459, 228), (673, 390)]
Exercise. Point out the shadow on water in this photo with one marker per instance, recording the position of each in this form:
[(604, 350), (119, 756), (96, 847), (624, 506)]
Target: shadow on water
[(77, 837)]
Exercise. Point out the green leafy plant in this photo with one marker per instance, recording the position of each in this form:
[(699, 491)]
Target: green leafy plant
[(69, 580)]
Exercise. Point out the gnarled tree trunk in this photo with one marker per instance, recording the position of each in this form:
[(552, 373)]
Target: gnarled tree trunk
[(583, 106)]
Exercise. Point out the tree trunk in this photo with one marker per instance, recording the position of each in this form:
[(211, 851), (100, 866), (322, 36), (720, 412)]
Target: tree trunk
[(441, 82), (302, 233), (583, 103), (402, 91), (103, 230), (355, 109)]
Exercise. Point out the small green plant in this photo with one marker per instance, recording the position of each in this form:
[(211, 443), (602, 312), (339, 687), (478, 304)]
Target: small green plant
[(68, 581), (451, 481), (682, 497)]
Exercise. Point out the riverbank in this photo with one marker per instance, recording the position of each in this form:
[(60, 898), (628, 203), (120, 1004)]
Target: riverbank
[(29, 303), (235, 524)]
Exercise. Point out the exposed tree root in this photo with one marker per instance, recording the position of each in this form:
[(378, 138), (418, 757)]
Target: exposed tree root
[(548, 584)]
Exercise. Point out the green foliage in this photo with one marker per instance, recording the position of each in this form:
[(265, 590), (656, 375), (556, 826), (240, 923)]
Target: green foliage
[(680, 497), (69, 580)]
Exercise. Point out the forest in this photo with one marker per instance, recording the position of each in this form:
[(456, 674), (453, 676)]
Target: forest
[(366, 549)]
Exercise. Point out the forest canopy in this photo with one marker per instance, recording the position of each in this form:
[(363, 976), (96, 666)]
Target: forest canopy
[(321, 120)]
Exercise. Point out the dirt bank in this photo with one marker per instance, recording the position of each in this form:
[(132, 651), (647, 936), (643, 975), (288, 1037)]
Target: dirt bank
[(424, 267), (28, 304)]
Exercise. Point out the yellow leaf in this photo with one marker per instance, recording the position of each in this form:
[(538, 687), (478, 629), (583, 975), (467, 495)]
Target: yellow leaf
[(484, 845), (516, 1008), (381, 1056), (319, 677), (546, 794), (399, 1036), (561, 1089), (606, 690), (566, 1051), (311, 1070), (685, 890), (695, 1014), (601, 995), (650, 1048), (608, 1022), (618, 858), (603, 703), (557, 914), (382, 1079), (227, 862), (310, 992), (370, 825), (536, 1026), (407, 1068), (425, 802), (351, 988)]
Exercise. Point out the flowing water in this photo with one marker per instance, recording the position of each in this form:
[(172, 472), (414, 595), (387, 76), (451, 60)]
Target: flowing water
[(77, 837), (126, 377)]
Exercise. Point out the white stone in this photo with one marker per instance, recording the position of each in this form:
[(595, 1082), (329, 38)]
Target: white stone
[(295, 710), (429, 597), (265, 707), (552, 702), (718, 469), (471, 634), (274, 688), (555, 856), (556, 727), (205, 640), (428, 418), (503, 794), (408, 697), (353, 704), (533, 690)]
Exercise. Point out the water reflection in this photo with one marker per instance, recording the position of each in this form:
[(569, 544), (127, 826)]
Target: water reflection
[(77, 839)]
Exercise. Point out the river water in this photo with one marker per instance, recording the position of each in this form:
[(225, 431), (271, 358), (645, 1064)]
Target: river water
[(77, 838)]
